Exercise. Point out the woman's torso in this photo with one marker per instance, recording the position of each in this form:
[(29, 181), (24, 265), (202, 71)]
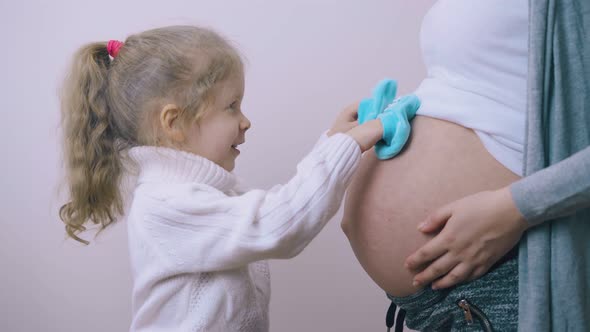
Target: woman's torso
[(388, 199), (467, 137)]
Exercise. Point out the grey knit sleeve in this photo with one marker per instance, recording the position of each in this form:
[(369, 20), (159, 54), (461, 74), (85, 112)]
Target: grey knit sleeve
[(555, 191)]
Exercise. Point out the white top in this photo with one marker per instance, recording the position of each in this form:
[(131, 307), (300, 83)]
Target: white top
[(476, 53), (197, 246)]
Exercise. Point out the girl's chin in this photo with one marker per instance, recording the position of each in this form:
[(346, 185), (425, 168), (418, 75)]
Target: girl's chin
[(229, 165)]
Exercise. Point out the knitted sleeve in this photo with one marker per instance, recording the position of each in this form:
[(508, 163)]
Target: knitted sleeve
[(200, 230), (556, 191)]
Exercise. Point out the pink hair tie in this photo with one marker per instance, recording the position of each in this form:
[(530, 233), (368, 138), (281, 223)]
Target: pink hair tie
[(113, 47)]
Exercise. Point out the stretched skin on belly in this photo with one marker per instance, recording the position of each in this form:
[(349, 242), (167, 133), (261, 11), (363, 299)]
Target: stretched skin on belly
[(388, 199)]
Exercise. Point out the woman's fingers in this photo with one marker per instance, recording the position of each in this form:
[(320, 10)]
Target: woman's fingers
[(435, 270), (460, 273), (437, 220), (427, 253), (479, 272)]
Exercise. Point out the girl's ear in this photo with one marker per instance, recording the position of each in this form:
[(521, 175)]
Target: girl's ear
[(170, 122)]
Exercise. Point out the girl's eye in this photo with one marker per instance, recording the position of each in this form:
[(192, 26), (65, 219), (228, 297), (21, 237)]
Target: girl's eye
[(233, 106)]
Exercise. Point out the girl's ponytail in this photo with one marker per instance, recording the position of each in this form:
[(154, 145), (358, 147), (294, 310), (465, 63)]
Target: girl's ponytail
[(93, 162)]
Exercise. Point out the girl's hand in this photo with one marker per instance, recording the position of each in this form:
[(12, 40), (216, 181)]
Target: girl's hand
[(346, 120), (476, 232), (366, 135)]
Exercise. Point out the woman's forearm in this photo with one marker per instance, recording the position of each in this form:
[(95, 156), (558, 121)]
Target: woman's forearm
[(555, 191)]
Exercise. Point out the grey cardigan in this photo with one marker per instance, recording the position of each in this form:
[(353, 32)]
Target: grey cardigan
[(554, 195)]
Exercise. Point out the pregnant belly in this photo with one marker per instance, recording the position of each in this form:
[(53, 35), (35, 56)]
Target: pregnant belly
[(388, 199)]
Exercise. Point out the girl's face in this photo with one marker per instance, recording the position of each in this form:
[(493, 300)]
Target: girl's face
[(223, 126)]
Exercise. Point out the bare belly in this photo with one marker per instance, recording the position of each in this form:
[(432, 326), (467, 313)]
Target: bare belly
[(388, 199)]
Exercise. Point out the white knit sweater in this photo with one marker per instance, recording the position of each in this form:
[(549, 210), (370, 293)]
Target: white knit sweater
[(198, 246)]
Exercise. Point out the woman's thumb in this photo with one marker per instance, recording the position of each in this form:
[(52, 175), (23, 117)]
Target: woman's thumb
[(436, 220)]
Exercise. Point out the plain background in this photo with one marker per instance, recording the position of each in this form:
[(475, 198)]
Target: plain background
[(306, 60)]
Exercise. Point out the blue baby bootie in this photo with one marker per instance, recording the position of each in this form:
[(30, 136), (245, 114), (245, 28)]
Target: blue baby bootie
[(395, 116), (396, 126), (383, 95)]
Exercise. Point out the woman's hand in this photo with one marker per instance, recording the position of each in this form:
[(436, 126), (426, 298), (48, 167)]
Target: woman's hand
[(477, 231), (346, 120)]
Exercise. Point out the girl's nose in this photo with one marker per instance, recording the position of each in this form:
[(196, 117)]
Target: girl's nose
[(246, 124)]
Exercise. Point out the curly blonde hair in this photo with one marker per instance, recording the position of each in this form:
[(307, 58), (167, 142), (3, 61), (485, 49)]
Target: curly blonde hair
[(108, 106)]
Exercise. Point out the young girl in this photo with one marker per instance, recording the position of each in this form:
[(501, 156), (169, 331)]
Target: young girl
[(169, 100)]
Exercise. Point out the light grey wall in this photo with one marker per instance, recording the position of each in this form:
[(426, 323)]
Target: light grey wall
[(307, 59)]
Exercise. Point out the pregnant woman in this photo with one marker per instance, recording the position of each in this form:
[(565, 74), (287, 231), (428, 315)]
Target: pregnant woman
[(468, 140)]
